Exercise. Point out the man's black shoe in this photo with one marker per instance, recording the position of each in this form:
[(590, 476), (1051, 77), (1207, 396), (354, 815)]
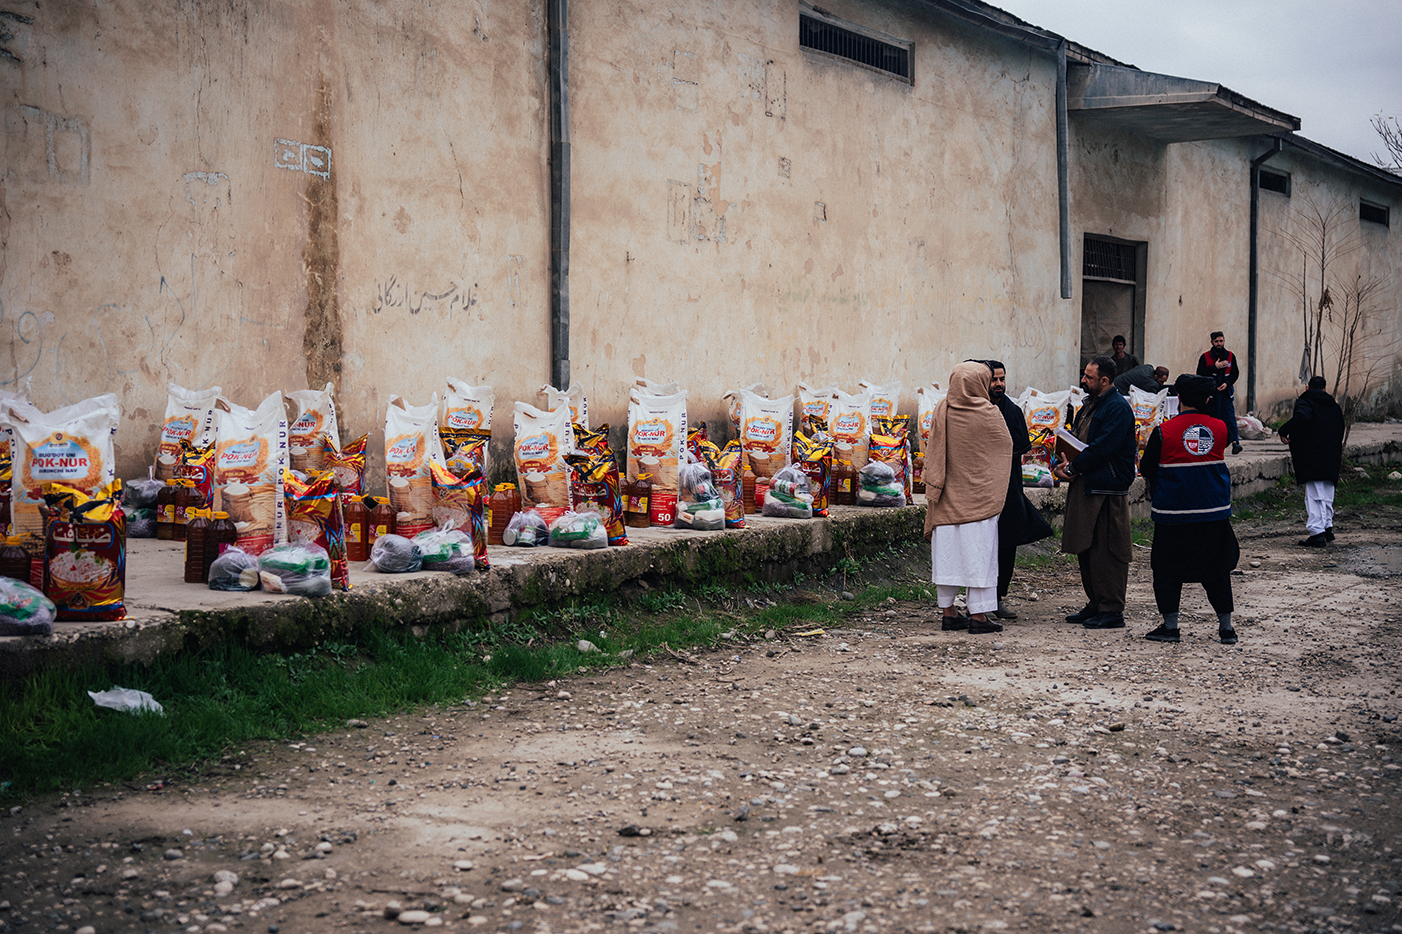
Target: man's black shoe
[(1236, 447), (1076, 619), (955, 623), (1003, 612), (1163, 634), (1105, 621), (978, 627), (1228, 636), (1314, 541), (1329, 533)]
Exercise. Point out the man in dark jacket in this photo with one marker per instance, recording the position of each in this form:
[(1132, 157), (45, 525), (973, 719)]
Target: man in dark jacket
[(1220, 364), (1146, 376), (1096, 526), (1315, 434), (1191, 492), (1019, 523)]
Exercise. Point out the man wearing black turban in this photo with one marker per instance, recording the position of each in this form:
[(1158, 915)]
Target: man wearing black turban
[(1185, 468)]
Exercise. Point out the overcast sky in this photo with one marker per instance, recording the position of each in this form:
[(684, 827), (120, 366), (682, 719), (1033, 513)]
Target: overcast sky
[(1332, 63)]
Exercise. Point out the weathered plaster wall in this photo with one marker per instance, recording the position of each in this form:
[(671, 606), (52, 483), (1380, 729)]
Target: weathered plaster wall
[(267, 196), (1323, 201), (746, 210)]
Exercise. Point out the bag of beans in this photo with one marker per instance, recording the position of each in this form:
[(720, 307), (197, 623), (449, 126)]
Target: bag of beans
[(189, 418), (657, 446), (542, 441), (766, 432), (71, 446), (249, 463), (314, 433), (850, 427), (460, 504), (411, 446), (573, 398)]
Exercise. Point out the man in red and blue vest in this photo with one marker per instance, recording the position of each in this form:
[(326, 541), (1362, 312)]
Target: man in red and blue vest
[(1185, 468)]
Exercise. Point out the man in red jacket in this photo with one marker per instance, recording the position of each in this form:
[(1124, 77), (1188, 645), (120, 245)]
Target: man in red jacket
[(1220, 364)]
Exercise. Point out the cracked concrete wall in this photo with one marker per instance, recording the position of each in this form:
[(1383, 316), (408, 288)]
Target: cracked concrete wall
[(270, 196)]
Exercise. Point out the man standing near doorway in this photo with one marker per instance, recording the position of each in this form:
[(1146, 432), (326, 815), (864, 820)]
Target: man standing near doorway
[(1220, 364), (1124, 362), (1019, 523), (1096, 525), (1315, 434)]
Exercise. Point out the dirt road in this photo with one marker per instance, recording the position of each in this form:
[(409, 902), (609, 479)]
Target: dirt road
[(883, 777)]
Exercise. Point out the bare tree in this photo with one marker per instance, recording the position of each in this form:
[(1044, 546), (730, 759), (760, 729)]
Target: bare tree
[(1390, 132)]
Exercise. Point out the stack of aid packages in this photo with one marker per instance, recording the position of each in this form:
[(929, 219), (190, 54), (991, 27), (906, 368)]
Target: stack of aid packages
[(1045, 413)]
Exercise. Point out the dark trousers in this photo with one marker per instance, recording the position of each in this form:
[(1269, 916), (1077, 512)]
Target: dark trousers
[(1226, 411), (1007, 556), (1104, 576), (1168, 594)]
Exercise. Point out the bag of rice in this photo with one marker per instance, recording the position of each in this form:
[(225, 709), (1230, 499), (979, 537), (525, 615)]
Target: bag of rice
[(1045, 413), (467, 407), (890, 444), (315, 515), (656, 446), (813, 456), (71, 445), (815, 403), (542, 441), (249, 462), (411, 446), (85, 552), (460, 503), (766, 432), (314, 431), (594, 487), (850, 427), (1148, 415), (572, 397), (727, 475), (884, 400), (648, 387), (189, 418), (733, 401), (348, 466), (926, 398)]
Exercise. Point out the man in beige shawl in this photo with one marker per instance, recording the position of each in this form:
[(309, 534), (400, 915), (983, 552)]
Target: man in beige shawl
[(967, 461)]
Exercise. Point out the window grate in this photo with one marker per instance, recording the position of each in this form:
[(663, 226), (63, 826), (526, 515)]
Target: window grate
[(1275, 181), (1373, 213), (844, 43), (1106, 259)]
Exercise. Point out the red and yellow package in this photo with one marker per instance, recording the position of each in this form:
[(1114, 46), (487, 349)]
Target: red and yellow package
[(463, 502), (591, 440), (695, 434), (465, 449), (813, 456), (347, 464), (727, 474), (315, 515), (85, 553), (890, 444), (595, 487), (197, 464)]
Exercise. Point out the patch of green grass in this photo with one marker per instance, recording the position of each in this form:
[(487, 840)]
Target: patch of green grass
[(662, 601)]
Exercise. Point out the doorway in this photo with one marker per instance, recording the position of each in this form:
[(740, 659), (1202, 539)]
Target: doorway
[(1112, 295)]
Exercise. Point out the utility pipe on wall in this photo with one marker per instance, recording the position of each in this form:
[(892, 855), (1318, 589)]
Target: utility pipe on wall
[(1253, 272), (1063, 171), (557, 24)]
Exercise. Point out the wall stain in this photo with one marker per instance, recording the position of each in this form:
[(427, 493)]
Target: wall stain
[(321, 342)]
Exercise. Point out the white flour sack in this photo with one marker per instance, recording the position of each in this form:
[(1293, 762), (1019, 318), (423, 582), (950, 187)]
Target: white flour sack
[(657, 445), (572, 397), (542, 441), (314, 433), (733, 401), (249, 460), (411, 445), (1045, 413), (189, 417), (816, 403), (468, 408), (766, 432), (851, 427), (883, 399), (926, 398), (71, 445)]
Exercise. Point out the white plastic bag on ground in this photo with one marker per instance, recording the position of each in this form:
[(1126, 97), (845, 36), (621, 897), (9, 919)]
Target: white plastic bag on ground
[(128, 700)]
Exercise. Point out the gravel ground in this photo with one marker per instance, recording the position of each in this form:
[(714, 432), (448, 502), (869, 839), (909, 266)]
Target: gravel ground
[(882, 777)]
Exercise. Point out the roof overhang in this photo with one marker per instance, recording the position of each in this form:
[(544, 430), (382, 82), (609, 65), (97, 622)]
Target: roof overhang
[(1166, 108)]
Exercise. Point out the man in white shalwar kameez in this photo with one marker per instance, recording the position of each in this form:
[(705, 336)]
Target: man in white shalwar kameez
[(967, 462)]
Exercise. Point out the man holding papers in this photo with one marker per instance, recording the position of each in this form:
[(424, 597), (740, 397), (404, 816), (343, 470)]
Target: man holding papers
[(1096, 527)]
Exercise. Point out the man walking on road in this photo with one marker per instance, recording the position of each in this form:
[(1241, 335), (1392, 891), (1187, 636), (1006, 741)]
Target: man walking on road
[(1315, 434), (1220, 364), (1020, 523), (1096, 526)]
